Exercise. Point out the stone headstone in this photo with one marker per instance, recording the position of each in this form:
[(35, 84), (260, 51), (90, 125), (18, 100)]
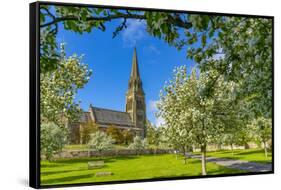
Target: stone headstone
[(95, 164), (103, 174)]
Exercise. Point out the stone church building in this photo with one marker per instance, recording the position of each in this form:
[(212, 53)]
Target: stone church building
[(132, 119)]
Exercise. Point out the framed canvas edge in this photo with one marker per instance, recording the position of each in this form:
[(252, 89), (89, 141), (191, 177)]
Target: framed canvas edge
[(34, 94)]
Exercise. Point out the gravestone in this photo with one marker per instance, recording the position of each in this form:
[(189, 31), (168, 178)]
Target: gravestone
[(95, 164), (103, 174)]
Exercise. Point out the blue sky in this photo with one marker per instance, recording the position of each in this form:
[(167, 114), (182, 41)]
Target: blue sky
[(111, 59)]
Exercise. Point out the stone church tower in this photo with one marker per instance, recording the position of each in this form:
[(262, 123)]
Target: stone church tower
[(135, 98), (134, 119)]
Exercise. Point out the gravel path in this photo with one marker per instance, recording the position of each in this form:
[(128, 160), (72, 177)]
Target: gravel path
[(237, 164)]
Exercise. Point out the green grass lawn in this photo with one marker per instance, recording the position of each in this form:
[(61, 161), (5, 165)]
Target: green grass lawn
[(253, 155), (70, 171)]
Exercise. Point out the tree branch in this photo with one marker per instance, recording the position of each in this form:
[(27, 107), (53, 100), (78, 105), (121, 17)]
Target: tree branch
[(48, 12), (106, 18), (120, 28), (176, 20)]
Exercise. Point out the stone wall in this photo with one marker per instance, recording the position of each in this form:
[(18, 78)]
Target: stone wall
[(125, 152)]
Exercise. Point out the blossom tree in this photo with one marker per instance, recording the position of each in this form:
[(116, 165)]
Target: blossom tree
[(138, 144), (196, 108), (59, 87), (99, 141), (262, 130)]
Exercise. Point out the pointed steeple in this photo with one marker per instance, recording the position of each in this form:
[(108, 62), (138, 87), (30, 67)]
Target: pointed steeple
[(135, 98), (135, 68)]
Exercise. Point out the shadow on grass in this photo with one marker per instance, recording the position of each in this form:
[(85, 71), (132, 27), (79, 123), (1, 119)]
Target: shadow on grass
[(51, 165), (65, 179), (252, 152), (80, 169), (214, 158), (224, 170), (125, 157), (55, 172), (212, 172), (46, 173), (83, 160)]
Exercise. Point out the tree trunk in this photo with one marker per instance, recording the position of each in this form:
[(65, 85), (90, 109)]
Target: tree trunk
[(265, 149), (203, 159), (185, 160), (231, 145), (184, 156), (246, 146), (219, 147)]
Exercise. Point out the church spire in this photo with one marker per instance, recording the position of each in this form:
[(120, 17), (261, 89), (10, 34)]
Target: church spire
[(135, 98), (135, 68)]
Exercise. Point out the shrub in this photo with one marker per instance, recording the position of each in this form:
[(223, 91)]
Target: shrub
[(53, 138), (138, 144), (99, 141)]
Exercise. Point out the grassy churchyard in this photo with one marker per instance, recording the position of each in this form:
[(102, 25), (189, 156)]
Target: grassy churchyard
[(251, 155), (66, 171)]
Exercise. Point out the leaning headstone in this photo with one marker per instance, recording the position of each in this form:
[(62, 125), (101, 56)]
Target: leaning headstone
[(103, 174), (95, 164)]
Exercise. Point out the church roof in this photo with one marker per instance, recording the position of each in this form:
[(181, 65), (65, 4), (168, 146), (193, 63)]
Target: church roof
[(111, 117), (86, 117)]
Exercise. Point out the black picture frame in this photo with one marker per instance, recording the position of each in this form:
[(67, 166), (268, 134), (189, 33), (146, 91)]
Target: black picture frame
[(34, 94)]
